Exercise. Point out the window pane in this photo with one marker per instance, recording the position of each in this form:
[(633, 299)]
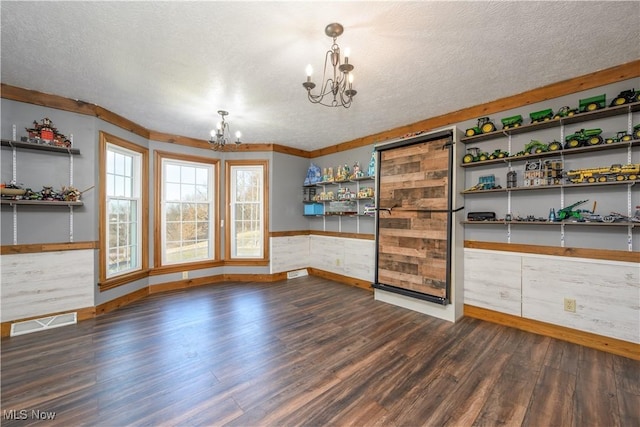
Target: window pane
[(123, 185), (188, 201), (246, 204)]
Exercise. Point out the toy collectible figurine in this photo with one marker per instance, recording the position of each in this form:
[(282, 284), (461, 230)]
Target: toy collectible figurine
[(372, 164)]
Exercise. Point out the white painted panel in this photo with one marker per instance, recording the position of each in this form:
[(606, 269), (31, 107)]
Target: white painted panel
[(492, 280), (327, 253), (359, 258), (607, 294), (289, 253), (44, 283)]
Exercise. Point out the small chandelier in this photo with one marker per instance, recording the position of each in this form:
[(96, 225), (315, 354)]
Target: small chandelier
[(337, 83), (221, 135)]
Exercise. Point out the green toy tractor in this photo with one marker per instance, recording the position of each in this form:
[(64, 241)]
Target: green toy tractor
[(511, 122), (498, 154), (485, 125), (474, 155), (554, 146), (565, 111), (584, 137), (636, 131), (592, 104), (541, 116), (626, 97), (622, 136)]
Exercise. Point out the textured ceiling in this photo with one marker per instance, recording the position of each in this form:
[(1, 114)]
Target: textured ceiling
[(169, 66)]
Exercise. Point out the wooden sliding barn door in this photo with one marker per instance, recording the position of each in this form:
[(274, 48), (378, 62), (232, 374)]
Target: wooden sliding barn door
[(414, 217)]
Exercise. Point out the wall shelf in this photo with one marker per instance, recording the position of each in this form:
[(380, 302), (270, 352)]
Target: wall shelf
[(40, 147)]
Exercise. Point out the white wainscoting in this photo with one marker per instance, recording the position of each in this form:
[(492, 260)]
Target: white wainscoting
[(607, 293), (44, 283), (289, 253), (348, 257), (492, 280)]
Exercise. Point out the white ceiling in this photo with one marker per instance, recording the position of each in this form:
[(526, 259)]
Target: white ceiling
[(169, 66)]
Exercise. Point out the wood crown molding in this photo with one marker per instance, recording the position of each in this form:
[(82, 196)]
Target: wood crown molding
[(614, 74)]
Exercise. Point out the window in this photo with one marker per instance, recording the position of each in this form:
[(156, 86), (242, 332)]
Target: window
[(123, 226), (247, 231), (187, 209)]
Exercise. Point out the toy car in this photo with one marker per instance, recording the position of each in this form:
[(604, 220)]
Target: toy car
[(541, 116), (591, 104), (511, 122), (565, 111), (498, 154), (474, 155), (622, 136), (625, 97), (485, 125), (583, 137)]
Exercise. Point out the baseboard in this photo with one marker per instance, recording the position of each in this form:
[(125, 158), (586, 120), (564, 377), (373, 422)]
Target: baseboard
[(587, 339), (358, 283)]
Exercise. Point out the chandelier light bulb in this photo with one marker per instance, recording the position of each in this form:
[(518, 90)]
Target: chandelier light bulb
[(347, 52), (350, 78), (222, 134), (309, 70), (238, 134)]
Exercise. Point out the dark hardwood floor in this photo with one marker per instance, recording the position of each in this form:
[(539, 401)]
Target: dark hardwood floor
[(306, 352)]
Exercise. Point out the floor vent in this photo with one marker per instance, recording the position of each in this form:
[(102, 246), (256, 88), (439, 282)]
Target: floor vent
[(43, 323), (297, 273)]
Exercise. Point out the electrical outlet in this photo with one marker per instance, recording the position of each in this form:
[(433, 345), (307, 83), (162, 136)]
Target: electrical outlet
[(570, 305), (185, 274), (337, 262)]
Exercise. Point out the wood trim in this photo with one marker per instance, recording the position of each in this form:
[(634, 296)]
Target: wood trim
[(603, 254), (229, 164), (35, 248), (614, 74), (178, 268), (211, 280), (343, 235), (322, 233), (47, 100), (587, 339), (104, 139), (121, 122), (290, 233), (123, 279), (82, 314), (351, 281), (121, 301)]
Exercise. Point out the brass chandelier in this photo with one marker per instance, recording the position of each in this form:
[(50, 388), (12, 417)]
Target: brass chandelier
[(337, 79), (221, 135)]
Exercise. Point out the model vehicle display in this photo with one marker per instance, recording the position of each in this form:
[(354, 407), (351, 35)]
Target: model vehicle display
[(474, 155), (626, 97), (498, 154), (622, 136), (46, 133), (511, 122), (533, 147), (565, 111), (592, 103), (485, 125), (584, 137), (568, 212), (616, 172), (486, 182), (554, 146), (541, 116)]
